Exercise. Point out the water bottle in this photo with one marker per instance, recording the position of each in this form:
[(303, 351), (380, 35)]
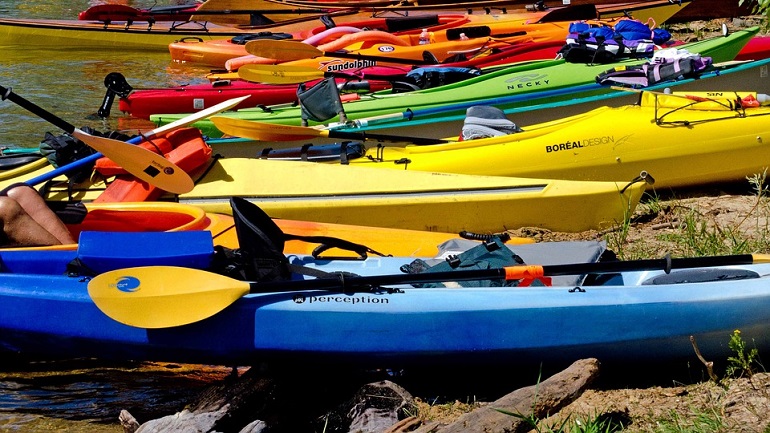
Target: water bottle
[(424, 37)]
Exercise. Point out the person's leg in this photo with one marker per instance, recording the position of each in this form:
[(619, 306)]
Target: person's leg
[(34, 205), (19, 228)]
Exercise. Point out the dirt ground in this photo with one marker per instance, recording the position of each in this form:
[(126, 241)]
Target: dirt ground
[(727, 404)]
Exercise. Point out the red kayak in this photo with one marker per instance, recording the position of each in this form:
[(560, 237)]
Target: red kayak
[(116, 12), (192, 98)]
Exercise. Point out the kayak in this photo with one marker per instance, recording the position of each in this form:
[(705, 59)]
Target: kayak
[(694, 133), (130, 35), (364, 196), (216, 53), (139, 217), (642, 311), (195, 97), (611, 8), (406, 200), (171, 216), (120, 12), (757, 48), (372, 47), (517, 86)]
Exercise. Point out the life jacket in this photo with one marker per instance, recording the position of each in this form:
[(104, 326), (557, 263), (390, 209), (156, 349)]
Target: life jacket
[(462, 254), (184, 147), (667, 65), (588, 43)]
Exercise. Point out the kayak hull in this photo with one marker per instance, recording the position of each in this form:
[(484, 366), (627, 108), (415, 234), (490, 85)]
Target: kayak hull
[(397, 199), (197, 97), (677, 140), (636, 316)]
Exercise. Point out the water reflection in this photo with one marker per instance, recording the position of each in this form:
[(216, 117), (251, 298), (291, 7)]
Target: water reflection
[(89, 394)]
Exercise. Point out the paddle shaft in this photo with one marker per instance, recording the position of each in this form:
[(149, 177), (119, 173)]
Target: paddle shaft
[(271, 132), (343, 283), (60, 123), (345, 135)]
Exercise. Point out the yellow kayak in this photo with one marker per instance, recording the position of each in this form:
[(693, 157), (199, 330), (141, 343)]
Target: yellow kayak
[(412, 200), (681, 141)]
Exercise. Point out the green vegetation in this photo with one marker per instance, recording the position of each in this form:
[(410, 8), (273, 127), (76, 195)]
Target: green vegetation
[(745, 360), (681, 228)]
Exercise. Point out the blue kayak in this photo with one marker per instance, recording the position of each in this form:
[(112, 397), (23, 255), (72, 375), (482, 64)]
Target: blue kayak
[(46, 311)]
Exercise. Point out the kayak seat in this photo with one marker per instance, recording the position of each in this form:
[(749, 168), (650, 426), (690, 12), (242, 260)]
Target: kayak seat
[(9, 162), (320, 102), (400, 24), (105, 251), (262, 243)]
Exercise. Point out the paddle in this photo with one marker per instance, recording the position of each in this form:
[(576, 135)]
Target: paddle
[(140, 162), (284, 51), (166, 296), (276, 132), (188, 120), (292, 74)]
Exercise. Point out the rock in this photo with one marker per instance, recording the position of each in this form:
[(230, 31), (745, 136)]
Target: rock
[(184, 421), (128, 422), (538, 400), (374, 409), (257, 426)]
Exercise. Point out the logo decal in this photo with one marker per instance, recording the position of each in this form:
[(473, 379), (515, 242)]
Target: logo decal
[(386, 49), (127, 284)]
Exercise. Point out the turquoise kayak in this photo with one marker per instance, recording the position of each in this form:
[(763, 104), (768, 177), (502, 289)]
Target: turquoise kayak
[(517, 86)]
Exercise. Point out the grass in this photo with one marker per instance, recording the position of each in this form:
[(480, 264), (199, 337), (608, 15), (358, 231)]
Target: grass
[(686, 231)]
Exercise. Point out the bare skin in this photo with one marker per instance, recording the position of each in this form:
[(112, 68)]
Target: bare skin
[(28, 221)]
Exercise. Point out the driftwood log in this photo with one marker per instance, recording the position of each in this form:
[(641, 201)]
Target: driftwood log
[(254, 403)]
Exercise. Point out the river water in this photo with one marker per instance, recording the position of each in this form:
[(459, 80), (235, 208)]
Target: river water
[(83, 396), (70, 83)]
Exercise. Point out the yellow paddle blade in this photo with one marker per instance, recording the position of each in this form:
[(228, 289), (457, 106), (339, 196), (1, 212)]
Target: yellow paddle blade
[(265, 131), (278, 74), (142, 163), (282, 50), (761, 258), (163, 296)]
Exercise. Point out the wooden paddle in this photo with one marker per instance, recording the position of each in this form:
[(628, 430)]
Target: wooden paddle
[(140, 162), (166, 296), (276, 132), (292, 74), (185, 121), (285, 51)]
